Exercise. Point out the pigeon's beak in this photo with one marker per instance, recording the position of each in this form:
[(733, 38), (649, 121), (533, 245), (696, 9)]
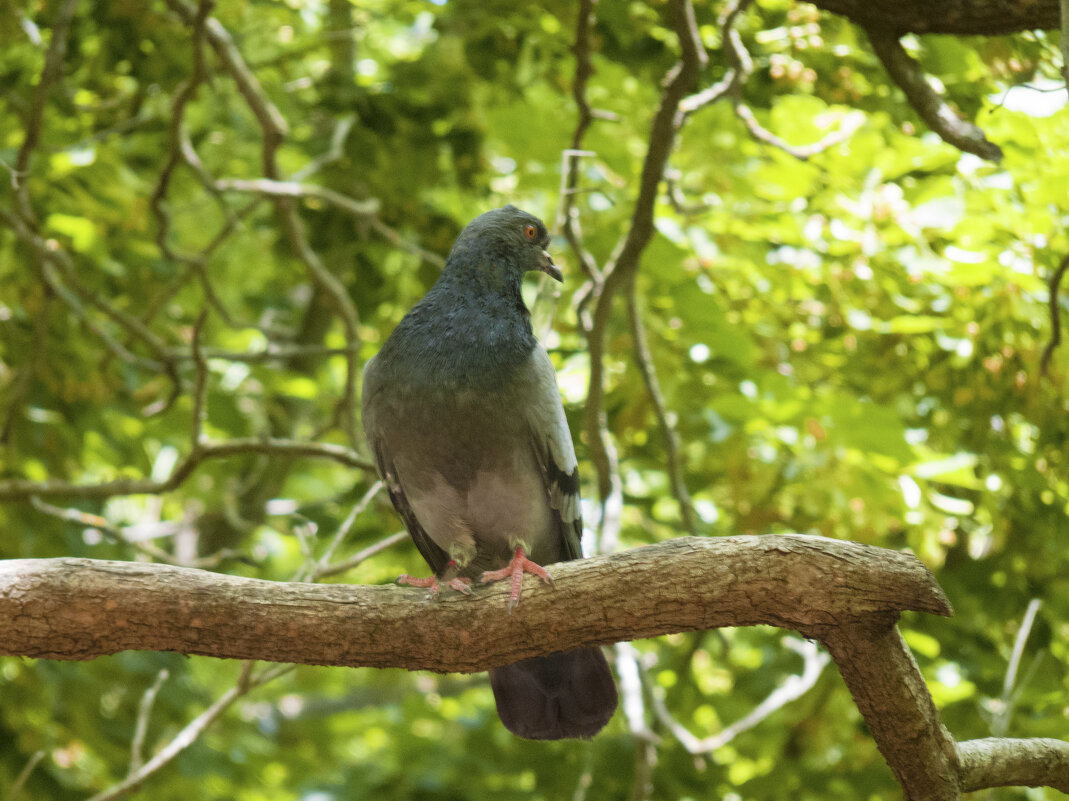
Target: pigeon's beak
[(546, 265)]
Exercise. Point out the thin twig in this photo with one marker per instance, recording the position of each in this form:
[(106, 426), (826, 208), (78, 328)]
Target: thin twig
[(360, 209), (144, 713), (273, 129), (362, 556), (646, 367), (793, 688), (16, 788), (335, 151), (273, 352), (185, 738), (118, 536), (57, 49), (1064, 12), (732, 84), (1053, 297), (1001, 722), (199, 385), (632, 700), (567, 215), (186, 92), (323, 562), (24, 489)]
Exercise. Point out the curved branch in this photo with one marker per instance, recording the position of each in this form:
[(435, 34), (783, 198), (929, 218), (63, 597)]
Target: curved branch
[(844, 594), (929, 106), (1053, 290), (83, 608)]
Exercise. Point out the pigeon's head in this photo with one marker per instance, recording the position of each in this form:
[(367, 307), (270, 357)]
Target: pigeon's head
[(505, 240)]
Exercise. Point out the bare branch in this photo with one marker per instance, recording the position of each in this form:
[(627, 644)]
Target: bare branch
[(362, 556), (567, 215), (335, 151), (622, 267), (117, 535), (144, 712), (849, 126), (690, 583), (364, 210), (793, 688), (844, 594), (272, 352), (1053, 297), (57, 48), (273, 129), (293, 189), (632, 700), (998, 762), (644, 360), (189, 734), (175, 150), (23, 489), (199, 385), (929, 106), (731, 86), (16, 789), (267, 114), (1063, 7), (323, 561)]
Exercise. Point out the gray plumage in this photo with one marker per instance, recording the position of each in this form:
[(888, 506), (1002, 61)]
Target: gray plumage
[(462, 413)]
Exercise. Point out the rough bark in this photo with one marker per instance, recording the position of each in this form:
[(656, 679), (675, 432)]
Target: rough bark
[(844, 594), (887, 687), (83, 608), (962, 17), (1005, 762)]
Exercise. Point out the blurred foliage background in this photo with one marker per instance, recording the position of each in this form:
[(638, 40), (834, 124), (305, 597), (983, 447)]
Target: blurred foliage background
[(848, 345)]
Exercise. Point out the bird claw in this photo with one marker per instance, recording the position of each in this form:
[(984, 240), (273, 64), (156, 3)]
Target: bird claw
[(457, 583), (514, 570)]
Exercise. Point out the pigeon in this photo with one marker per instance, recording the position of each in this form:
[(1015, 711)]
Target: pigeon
[(462, 413)]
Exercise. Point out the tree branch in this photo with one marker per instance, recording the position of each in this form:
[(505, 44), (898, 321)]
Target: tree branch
[(929, 106), (625, 261), (81, 608), (23, 489), (844, 594), (1053, 296), (57, 49), (1005, 762), (887, 687), (644, 360)]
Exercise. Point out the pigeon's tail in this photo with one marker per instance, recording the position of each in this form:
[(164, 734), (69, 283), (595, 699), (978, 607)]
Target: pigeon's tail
[(552, 697)]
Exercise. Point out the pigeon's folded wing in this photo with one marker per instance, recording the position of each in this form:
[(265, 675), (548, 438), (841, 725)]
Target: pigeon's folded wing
[(435, 556), (554, 452)]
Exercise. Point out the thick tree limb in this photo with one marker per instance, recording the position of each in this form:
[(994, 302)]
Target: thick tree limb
[(83, 608), (1005, 762), (844, 594), (962, 17), (887, 687)]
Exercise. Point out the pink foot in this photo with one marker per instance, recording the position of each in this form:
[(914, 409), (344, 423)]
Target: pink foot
[(515, 569), (459, 584)]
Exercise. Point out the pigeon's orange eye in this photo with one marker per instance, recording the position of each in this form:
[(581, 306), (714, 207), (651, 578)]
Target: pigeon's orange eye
[(530, 232)]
